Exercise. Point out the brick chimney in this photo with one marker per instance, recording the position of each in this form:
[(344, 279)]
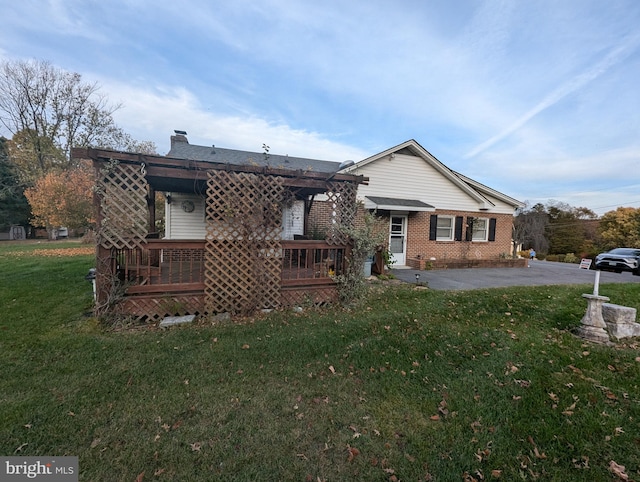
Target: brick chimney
[(180, 136)]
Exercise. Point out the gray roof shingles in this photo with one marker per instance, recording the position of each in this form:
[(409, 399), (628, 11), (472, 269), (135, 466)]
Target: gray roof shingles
[(389, 201), (184, 150)]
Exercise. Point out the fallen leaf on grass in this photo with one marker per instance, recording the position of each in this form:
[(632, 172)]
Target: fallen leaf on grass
[(618, 470), (538, 454), (569, 410), (95, 443), (245, 347), (475, 426), (353, 453), (466, 477), (496, 473), (140, 477), (435, 418), (482, 454), (196, 446), (159, 472), (19, 449)]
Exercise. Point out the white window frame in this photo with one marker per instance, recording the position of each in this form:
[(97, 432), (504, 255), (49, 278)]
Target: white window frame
[(480, 235), (452, 227)]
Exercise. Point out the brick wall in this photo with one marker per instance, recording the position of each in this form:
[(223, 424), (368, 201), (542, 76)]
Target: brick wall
[(418, 243), (319, 219)]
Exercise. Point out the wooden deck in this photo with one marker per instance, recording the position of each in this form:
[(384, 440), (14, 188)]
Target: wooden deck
[(177, 266)]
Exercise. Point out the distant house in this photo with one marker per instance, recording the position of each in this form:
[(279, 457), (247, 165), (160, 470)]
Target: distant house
[(235, 238), (435, 214)]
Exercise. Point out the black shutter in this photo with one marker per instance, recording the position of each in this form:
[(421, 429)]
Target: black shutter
[(458, 233), (433, 227), (492, 229)]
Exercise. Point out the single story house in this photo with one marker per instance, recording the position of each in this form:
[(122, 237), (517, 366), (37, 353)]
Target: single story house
[(437, 217), (432, 211), (246, 230)]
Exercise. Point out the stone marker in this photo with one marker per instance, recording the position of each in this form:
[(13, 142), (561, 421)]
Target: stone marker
[(593, 327), (620, 320)]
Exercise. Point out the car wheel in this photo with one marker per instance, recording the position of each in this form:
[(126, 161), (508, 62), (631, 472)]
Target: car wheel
[(636, 272)]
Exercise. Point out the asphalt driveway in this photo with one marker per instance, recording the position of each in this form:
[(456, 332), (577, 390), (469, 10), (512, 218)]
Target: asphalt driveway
[(538, 274)]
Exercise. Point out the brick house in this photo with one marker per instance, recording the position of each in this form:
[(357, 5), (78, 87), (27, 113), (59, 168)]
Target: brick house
[(435, 215)]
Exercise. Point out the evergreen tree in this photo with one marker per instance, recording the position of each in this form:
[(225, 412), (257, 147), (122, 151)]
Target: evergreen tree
[(14, 207)]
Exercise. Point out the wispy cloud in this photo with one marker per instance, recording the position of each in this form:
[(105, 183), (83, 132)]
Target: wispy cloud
[(154, 114), (613, 57)]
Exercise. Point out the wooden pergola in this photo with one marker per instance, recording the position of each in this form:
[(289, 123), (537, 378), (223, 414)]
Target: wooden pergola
[(242, 265)]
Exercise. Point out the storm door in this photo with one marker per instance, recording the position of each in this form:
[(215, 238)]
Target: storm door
[(398, 239)]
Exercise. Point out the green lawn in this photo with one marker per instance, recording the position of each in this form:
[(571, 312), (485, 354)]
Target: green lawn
[(413, 385)]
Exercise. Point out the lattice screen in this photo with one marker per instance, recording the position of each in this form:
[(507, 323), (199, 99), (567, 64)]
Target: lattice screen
[(242, 249), (122, 189), (342, 200)]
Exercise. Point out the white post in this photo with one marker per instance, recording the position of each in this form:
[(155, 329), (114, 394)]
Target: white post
[(596, 284)]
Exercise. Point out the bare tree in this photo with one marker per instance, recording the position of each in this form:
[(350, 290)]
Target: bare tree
[(51, 110), (529, 228)]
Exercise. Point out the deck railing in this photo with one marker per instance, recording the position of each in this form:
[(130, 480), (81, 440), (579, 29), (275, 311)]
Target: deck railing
[(311, 261), (178, 265)]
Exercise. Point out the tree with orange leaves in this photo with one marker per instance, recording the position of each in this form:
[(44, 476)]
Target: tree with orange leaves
[(63, 198)]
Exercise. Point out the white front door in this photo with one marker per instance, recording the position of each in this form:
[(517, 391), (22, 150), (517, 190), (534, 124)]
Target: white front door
[(398, 239)]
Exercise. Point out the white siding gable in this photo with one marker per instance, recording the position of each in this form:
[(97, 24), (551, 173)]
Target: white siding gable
[(411, 177), (499, 206)]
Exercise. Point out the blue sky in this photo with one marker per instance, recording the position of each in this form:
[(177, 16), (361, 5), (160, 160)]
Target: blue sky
[(537, 99)]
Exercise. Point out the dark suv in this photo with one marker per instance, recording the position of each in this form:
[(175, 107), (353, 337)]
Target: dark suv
[(619, 260)]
